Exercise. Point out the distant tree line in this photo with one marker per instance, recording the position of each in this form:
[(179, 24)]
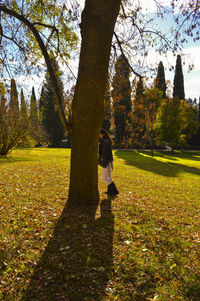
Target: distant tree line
[(136, 116)]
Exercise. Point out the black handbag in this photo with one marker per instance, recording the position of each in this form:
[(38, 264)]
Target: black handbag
[(102, 162)]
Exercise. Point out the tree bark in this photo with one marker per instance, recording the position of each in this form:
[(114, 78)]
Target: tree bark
[(97, 27)]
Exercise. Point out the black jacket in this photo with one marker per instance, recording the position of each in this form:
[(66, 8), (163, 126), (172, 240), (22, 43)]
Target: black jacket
[(105, 149)]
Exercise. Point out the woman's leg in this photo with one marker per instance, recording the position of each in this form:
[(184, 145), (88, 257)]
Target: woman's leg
[(106, 174)]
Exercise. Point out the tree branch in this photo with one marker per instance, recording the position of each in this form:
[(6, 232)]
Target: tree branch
[(1, 30), (54, 29), (45, 25), (145, 31), (12, 40), (122, 52)]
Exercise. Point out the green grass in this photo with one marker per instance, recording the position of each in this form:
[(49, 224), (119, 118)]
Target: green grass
[(143, 246)]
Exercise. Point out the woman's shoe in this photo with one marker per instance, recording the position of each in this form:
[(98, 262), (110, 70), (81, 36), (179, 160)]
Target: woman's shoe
[(112, 190)]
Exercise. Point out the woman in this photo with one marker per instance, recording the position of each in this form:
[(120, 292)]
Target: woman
[(105, 152)]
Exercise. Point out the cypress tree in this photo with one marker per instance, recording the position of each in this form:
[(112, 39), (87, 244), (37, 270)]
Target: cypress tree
[(14, 103), (42, 99), (24, 112), (2, 100), (33, 108), (50, 117), (121, 95), (107, 108), (160, 79), (139, 111), (178, 90), (41, 106), (23, 105), (33, 116)]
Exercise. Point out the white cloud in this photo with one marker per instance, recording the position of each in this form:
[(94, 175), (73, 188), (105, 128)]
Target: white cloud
[(190, 56), (192, 86), (27, 82)]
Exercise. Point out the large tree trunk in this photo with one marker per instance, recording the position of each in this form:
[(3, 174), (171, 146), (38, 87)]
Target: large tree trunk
[(97, 27)]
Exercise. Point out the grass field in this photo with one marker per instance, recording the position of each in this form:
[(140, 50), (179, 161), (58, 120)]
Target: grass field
[(143, 245)]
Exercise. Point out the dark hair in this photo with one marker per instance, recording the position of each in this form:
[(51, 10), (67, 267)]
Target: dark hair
[(105, 134)]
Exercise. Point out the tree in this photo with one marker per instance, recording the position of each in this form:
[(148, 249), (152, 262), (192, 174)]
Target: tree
[(175, 123), (58, 36), (41, 104), (23, 107), (195, 139), (44, 137), (160, 79), (178, 90), (3, 134), (97, 27), (121, 95), (139, 113), (50, 117), (14, 103), (153, 97), (2, 97), (34, 117), (12, 130)]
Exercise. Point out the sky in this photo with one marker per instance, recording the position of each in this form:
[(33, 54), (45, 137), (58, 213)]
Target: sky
[(190, 55)]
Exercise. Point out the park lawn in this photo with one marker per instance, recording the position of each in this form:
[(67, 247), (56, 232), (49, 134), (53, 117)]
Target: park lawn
[(147, 247)]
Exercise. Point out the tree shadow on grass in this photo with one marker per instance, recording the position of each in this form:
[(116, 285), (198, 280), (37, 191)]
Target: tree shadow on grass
[(150, 163), (5, 159), (78, 259)]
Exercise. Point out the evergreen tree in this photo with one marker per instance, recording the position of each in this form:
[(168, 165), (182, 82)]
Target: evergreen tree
[(24, 111), (49, 113), (178, 90), (139, 112), (44, 137), (121, 95), (2, 100), (14, 104), (42, 99), (34, 117), (23, 106), (33, 108), (107, 108), (160, 79)]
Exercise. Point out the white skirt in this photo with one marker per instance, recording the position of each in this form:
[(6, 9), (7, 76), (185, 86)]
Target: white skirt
[(106, 173)]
